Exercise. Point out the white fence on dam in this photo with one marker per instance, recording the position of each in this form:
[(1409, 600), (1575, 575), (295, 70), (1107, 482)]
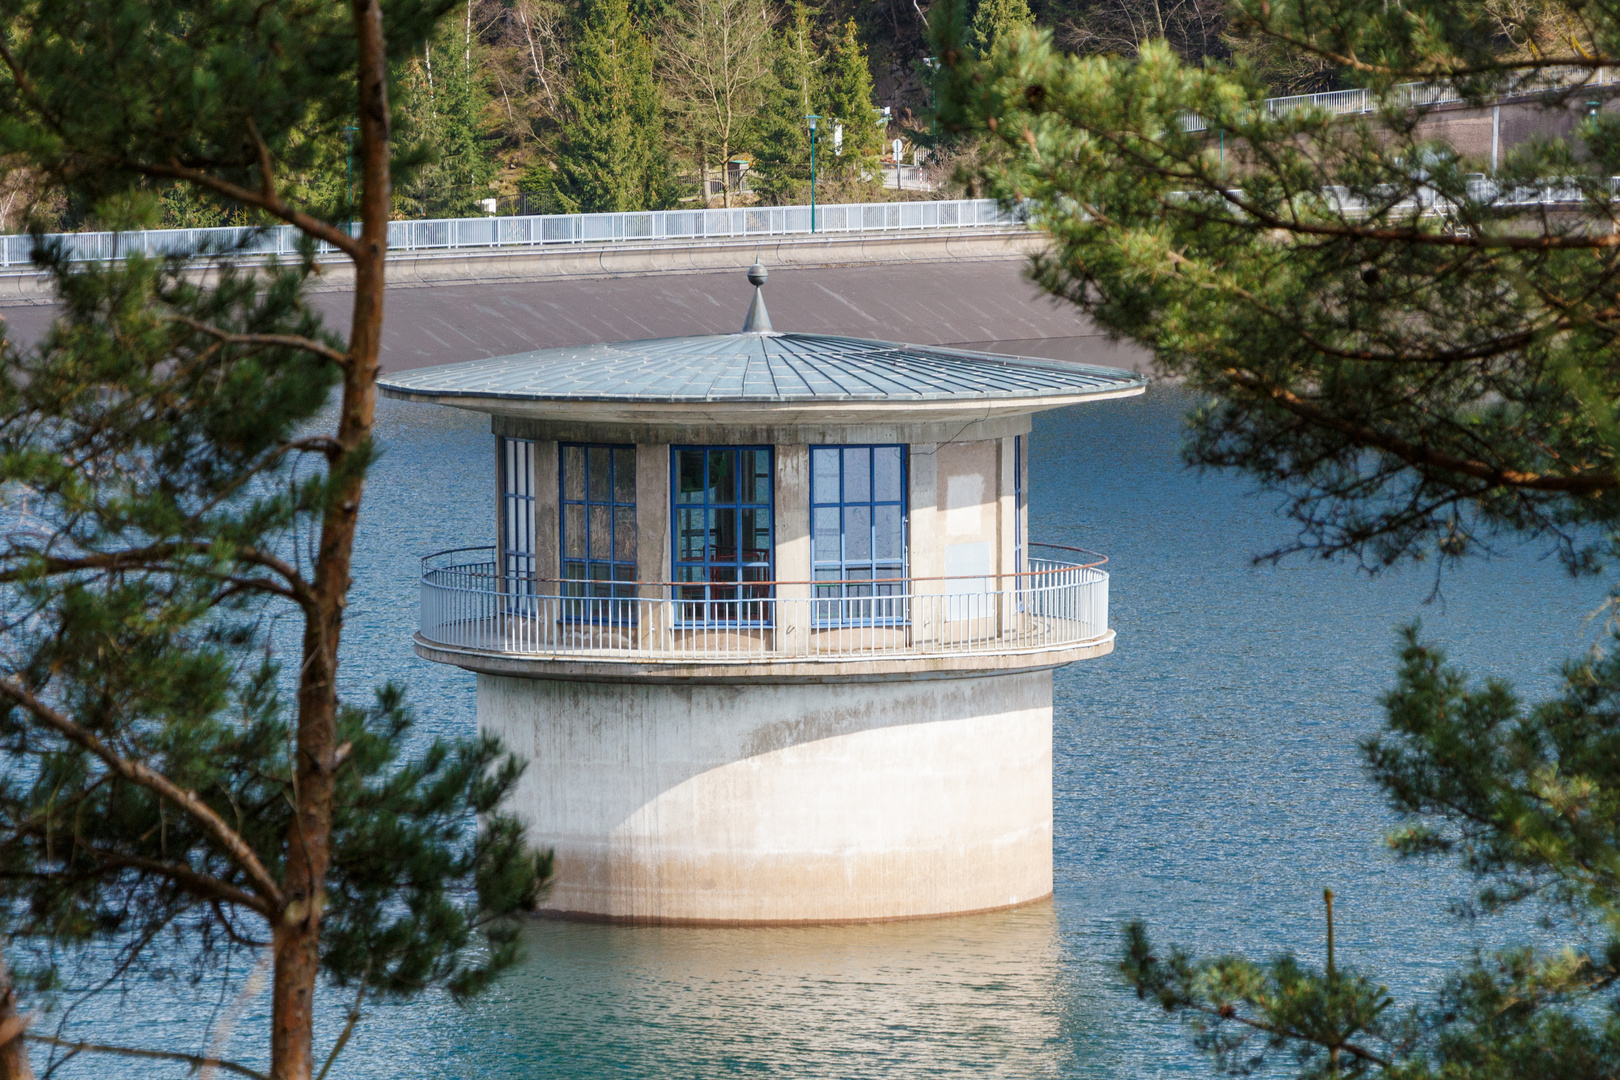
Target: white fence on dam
[(412, 238)]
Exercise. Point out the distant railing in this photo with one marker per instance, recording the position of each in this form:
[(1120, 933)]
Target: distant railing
[(1418, 95), (1058, 603), (412, 238)]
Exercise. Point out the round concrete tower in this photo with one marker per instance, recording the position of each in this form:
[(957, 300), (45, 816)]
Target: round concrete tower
[(764, 617)]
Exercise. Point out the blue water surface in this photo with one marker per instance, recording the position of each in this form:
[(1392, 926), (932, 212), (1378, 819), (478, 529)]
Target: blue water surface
[(1206, 778)]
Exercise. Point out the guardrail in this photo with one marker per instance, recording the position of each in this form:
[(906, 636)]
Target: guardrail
[(1058, 603), (413, 238), (1419, 95)]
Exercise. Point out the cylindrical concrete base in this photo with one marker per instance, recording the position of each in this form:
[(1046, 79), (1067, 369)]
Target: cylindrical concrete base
[(809, 802)]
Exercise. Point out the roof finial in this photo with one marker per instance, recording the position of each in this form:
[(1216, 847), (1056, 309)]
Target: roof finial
[(759, 320)]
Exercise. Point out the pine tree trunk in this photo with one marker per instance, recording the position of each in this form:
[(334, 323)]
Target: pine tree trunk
[(14, 1063), (297, 932)]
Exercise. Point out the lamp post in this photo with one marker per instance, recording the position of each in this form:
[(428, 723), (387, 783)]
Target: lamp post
[(812, 118)]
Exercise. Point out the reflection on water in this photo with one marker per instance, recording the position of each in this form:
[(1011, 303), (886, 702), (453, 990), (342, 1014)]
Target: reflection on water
[(1205, 777), (891, 999)]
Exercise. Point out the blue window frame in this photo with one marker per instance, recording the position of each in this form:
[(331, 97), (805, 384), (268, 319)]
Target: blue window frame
[(724, 542), (597, 491), (858, 532), (515, 459)]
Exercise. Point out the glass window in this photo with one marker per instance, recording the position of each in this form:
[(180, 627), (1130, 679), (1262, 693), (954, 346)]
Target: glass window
[(515, 459), (724, 547), (858, 531), (597, 485)]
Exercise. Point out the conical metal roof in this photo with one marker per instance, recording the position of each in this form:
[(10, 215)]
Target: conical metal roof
[(754, 367)]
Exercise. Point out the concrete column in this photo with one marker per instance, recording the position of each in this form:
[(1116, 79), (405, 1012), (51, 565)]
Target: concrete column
[(925, 555), (792, 499), (1006, 535), (653, 544), (547, 516), (780, 803)]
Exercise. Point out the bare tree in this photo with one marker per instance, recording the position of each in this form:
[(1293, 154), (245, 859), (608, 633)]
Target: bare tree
[(715, 58), (1192, 27)]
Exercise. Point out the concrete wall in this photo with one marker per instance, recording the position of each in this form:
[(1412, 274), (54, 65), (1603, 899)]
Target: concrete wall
[(777, 803)]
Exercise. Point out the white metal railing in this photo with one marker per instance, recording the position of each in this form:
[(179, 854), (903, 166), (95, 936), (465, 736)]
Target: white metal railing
[(1418, 95), (408, 238), (1058, 603)]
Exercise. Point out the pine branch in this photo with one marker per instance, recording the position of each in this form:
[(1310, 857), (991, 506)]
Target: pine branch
[(291, 341), (137, 773), (1580, 483), (203, 886), (156, 556), (196, 1061), (273, 205)]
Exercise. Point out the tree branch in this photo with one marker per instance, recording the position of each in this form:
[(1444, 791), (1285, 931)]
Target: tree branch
[(275, 206), (291, 341), (136, 773), (154, 556), (196, 1061), (204, 886), (1585, 483)]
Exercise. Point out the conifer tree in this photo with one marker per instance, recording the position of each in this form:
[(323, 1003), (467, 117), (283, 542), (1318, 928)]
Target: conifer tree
[(462, 164), (847, 90), (610, 156), (182, 462), (1418, 357), (779, 133), (994, 18)]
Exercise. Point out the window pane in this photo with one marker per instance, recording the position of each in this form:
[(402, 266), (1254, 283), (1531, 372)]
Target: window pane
[(827, 546), (624, 534), (573, 467), (691, 536), (886, 535), (601, 534), (756, 535), (857, 474), (574, 570), (723, 535), (722, 476), (574, 532), (689, 475), (857, 533), (757, 467), (824, 474), (886, 474), (597, 473), (624, 475)]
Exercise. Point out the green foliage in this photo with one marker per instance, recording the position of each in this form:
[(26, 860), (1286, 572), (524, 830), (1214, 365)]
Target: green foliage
[(847, 99), (1528, 800), (610, 155), (992, 19), (169, 500), (447, 104), (1418, 362), (166, 476), (1294, 270), (180, 85), (779, 133)]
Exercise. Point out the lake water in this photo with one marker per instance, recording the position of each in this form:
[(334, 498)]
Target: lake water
[(1206, 778)]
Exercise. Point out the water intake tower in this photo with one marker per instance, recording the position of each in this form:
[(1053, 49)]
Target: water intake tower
[(765, 619)]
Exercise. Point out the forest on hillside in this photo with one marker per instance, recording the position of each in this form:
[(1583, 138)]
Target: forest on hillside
[(564, 106)]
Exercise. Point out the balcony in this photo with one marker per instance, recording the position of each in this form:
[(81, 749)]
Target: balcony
[(1052, 614)]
